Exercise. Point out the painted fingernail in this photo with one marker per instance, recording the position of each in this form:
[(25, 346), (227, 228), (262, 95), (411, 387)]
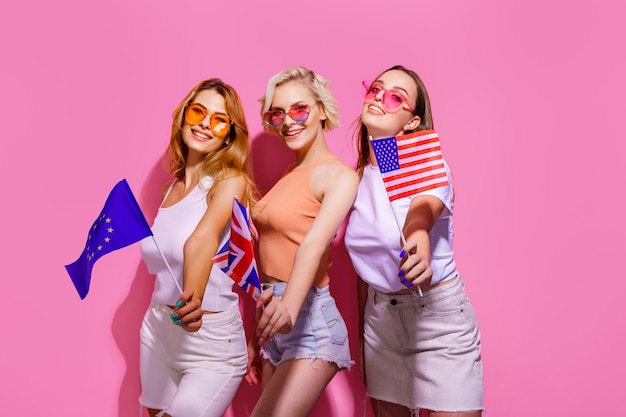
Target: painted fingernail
[(179, 303), (176, 321), (174, 316), (184, 324), (400, 273), (402, 253), (409, 285), (403, 280)]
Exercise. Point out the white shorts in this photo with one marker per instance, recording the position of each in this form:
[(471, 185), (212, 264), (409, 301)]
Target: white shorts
[(424, 352), (191, 374)]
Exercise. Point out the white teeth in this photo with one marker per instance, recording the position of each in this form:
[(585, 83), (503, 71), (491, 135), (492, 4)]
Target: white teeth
[(375, 109), (200, 134), (293, 132)]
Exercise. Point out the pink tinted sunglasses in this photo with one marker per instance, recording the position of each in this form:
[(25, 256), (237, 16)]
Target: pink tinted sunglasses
[(392, 99)]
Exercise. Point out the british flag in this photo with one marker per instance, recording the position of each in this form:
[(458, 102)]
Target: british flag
[(236, 257), (410, 163), (221, 257)]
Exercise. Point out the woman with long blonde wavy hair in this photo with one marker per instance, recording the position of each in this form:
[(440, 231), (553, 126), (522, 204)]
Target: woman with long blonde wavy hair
[(193, 348)]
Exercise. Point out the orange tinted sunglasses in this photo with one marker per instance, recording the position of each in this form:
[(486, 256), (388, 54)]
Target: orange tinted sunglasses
[(219, 123)]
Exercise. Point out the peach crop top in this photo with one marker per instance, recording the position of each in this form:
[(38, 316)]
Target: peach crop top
[(283, 217)]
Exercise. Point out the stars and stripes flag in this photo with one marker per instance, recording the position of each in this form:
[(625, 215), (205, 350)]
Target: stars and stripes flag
[(236, 257), (120, 223), (410, 163)]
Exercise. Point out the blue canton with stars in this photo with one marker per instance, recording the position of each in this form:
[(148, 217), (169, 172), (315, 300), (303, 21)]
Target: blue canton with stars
[(386, 152)]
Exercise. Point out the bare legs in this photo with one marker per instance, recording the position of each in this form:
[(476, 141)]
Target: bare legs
[(154, 413), (293, 388), (387, 409)]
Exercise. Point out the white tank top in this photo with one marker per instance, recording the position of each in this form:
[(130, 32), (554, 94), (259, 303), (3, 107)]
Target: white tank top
[(172, 227), (372, 236)]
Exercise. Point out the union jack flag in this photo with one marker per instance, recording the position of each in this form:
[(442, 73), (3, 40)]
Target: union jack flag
[(410, 164), (236, 257), (221, 257)]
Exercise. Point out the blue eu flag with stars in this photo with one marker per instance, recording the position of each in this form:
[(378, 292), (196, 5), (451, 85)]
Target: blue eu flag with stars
[(119, 224)]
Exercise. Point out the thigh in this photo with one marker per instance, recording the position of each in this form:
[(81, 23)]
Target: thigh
[(158, 380), (388, 377), (387, 409), (212, 363), (203, 393), (283, 395), (448, 358)]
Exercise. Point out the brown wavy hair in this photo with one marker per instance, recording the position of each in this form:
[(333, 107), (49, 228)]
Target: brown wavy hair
[(232, 158), (422, 109)]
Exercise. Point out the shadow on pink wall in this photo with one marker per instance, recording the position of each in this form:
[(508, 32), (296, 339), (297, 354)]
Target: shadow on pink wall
[(343, 397)]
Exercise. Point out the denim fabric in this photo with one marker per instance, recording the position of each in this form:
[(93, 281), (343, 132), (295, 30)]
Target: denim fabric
[(319, 332), (424, 352)]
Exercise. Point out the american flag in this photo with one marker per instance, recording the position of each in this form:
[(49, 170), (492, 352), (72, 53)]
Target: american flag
[(236, 257), (410, 164)]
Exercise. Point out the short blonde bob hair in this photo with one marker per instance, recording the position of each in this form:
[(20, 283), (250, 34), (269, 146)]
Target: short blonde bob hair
[(318, 86)]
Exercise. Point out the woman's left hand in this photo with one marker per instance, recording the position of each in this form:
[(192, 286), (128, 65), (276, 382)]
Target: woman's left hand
[(414, 269), (188, 312)]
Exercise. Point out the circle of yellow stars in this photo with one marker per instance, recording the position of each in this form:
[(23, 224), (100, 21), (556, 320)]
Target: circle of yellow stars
[(91, 254)]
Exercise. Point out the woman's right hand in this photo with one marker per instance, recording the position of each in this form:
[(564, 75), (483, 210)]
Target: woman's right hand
[(188, 312), (274, 317), (253, 370)]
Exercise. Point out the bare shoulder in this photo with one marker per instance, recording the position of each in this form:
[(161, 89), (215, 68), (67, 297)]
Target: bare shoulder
[(232, 183), (232, 178), (335, 168), (334, 175), (166, 187)]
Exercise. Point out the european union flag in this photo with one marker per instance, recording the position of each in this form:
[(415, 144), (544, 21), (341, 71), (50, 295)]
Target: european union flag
[(119, 224)]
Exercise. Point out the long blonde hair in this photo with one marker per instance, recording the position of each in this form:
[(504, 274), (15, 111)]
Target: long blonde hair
[(232, 158)]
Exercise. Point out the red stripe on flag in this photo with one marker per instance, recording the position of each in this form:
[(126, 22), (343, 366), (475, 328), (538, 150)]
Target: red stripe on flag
[(415, 172), (407, 143), (419, 152), (409, 164), (411, 192), (415, 182)]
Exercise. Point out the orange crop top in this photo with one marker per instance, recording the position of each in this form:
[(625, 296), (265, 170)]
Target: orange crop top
[(283, 217)]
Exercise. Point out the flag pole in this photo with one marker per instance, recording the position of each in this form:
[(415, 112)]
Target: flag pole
[(395, 215), (167, 264)]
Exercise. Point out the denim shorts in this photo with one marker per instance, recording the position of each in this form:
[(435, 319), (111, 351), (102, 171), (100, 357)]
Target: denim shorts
[(424, 352), (319, 332)]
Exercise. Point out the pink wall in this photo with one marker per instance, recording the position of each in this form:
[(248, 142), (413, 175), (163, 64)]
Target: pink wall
[(527, 97)]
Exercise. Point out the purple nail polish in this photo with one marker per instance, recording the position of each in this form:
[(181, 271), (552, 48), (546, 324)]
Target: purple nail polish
[(403, 280), (410, 285), (402, 253), (400, 273)]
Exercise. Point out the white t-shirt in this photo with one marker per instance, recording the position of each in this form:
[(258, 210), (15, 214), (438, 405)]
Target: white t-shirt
[(172, 227), (373, 238)]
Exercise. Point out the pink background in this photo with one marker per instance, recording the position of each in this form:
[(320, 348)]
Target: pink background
[(527, 99)]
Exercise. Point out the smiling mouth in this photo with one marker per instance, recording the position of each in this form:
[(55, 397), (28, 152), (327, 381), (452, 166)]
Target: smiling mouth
[(295, 132), (201, 135), (375, 109)]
